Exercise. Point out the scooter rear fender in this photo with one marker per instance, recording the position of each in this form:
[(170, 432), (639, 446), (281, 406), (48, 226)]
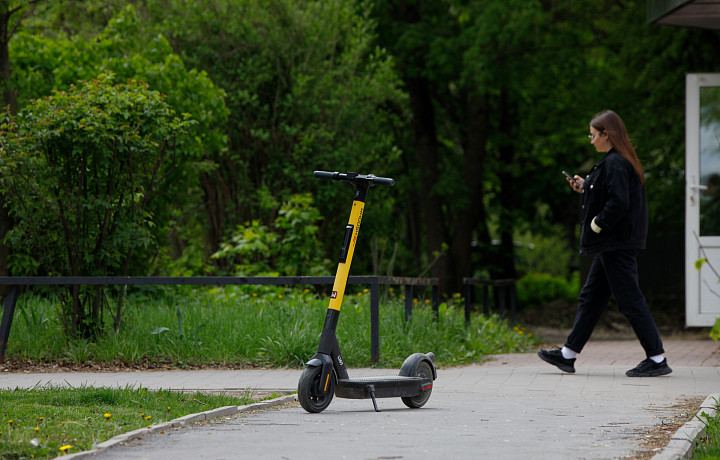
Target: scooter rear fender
[(411, 363)]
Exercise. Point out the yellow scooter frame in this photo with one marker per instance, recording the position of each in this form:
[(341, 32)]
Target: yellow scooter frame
[(326, 374)]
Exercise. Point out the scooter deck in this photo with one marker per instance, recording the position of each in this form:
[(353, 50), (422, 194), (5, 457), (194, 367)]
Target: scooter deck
[(391, 386)]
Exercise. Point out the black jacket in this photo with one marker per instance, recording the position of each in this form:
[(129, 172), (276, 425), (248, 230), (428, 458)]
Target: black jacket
[(614, 196)]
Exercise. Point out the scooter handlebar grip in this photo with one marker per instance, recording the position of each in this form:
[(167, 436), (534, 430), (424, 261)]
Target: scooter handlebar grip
[(325, 174), (383, 181)]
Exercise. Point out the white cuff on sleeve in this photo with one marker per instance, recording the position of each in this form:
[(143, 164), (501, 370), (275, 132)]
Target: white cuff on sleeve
[(595, 227)]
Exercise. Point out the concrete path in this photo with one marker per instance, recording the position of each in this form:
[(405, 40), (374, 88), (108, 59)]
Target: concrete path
[(515, 406)]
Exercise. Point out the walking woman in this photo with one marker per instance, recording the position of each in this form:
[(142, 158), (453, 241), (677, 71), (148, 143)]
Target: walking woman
[(614, 227)]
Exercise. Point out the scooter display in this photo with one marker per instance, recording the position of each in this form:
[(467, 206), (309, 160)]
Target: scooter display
[(326, 375)]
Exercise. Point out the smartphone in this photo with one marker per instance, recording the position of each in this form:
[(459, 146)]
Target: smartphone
[(571, 178)]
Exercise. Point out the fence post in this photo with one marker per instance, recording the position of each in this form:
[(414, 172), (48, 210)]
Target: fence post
[(468, 299), (513, 302), (408, 302), (7, 317), (374, 320), (486, 300)]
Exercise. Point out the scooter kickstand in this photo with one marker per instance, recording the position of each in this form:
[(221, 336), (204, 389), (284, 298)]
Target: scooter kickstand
[(371, 391)]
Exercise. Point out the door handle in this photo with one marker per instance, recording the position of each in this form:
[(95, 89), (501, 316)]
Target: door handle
[(695, 187)]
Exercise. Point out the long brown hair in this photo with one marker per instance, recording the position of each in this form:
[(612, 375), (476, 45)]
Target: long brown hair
[(610, 123)]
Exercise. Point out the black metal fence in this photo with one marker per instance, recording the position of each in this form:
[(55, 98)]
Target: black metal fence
[(374, 281), (504, 296)]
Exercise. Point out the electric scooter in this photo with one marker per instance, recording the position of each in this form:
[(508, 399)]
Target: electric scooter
[(326, 374)]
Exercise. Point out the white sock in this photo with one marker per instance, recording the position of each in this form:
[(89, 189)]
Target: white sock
[(568, 353), (657, 359)]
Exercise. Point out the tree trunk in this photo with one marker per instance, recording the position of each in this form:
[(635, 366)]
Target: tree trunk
[(467, 221), (506, 256), (426, 156)]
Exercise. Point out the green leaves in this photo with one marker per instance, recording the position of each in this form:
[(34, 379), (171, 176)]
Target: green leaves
[(715, 332), (79, 172), (288, 247)]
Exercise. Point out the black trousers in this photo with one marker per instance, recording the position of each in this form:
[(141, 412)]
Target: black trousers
[(614, 273)]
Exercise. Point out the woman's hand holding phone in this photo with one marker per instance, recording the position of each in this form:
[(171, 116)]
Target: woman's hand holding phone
[(575, 182)]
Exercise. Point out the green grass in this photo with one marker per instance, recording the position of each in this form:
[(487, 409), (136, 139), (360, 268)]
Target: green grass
[(239, 326), (708, 447), (42, 422)]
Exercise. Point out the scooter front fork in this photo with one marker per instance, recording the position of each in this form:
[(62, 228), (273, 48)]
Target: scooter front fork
[(328, 355)]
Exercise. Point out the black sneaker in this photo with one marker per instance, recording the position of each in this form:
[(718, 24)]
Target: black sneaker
[(555, 358), (649, 368)]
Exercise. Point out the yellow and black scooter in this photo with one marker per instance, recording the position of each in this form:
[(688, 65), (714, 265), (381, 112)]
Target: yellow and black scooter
[(326, 374)]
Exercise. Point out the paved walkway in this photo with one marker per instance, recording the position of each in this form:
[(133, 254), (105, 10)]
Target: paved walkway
[(515, 406)]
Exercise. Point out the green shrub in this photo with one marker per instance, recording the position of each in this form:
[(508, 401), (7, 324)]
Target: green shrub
[(537, 289), (81, 170), (551, 254), (290, 247)]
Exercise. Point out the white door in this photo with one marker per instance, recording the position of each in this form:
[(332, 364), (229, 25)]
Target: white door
[(702, 199)]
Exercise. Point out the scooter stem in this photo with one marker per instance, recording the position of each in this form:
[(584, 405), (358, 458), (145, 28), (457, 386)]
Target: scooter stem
[(352, 229)]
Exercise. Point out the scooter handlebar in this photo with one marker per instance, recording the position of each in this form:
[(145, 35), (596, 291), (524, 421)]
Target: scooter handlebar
[(353, 177)]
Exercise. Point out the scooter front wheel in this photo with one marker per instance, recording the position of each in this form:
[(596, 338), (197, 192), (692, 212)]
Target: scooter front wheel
[(415, 402), (310, 394)]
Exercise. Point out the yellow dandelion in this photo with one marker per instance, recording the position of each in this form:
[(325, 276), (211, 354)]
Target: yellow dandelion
[(37, 428), (366, 290), (64, 448), (427, 301), (10, 422), (279, 296), (254, 294), (107, 415), (148, 417)]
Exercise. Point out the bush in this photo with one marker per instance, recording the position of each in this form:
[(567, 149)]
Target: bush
[(290, 247), (538, 253), (537, 289), (79, 171)]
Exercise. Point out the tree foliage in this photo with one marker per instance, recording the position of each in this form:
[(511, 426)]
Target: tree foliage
[(43, 63), (474, 107), (79, 171), (307, 88)]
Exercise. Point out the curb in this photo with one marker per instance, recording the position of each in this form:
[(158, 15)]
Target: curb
[(180, 422), (683, 441)]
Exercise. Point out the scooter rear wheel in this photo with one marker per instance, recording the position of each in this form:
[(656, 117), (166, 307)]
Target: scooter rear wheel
[(415, 402), (310, 394)]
